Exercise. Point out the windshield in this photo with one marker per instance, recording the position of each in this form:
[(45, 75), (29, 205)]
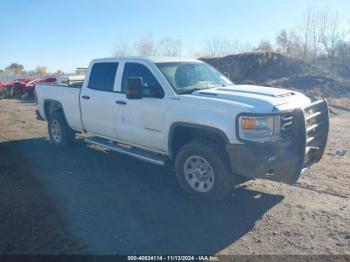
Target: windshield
[(187, 77)]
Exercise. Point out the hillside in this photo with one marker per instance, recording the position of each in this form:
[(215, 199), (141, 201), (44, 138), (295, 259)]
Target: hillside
[(324, 78)]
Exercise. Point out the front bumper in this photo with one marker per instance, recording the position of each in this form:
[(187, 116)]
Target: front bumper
[(285, 160)]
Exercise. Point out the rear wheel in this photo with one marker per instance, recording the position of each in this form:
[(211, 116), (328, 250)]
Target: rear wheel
[(26, 95), (8, 91), (61, 135), (201, 169)]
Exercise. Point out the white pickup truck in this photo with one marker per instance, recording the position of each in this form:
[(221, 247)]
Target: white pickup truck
[(183, 111)]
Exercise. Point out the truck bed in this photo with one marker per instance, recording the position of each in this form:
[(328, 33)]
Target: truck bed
[(68, 96)]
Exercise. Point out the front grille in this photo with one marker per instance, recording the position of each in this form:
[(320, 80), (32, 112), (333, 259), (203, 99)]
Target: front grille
[(286, 125)]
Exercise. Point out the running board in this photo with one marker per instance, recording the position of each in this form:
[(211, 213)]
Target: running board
[(138, 153)]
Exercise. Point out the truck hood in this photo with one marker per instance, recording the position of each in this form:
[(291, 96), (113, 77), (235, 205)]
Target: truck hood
[(257, 98)]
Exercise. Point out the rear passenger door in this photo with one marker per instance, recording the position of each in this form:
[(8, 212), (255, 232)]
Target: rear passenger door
[(98, 100)]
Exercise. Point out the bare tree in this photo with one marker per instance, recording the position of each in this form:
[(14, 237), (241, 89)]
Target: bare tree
[(41, 70), (264, 46), (325, 32), (122, 48), (217, 47), (315, 34), (170, 46), (145, 46), (301, 41), (342, 50), (320, 31), (283, 42), (236, 47), (329, 31), (15, 68), (244, 47), (290, 43), (59, 72), (309, 33), (305, 28)]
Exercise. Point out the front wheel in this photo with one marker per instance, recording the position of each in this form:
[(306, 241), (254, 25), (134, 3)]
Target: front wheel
[(201, 169), (61, 135)]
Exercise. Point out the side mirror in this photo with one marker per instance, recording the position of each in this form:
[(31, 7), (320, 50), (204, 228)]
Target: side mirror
[(134, 88)]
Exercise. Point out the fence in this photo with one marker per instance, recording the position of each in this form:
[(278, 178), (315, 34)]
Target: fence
[(15, 77)]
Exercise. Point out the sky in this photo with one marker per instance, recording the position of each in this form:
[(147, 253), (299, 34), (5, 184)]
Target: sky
[(65, 34)]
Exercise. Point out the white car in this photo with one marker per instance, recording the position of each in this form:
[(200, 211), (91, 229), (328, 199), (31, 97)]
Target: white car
[(183, 111)]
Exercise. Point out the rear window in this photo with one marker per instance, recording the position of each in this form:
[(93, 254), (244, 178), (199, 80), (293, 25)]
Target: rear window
[(102, 76)]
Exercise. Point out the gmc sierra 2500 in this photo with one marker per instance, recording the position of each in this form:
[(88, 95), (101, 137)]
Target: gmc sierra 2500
[(183, 110)]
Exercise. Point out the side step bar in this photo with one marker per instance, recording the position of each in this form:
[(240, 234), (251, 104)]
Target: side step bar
[(138, 153)]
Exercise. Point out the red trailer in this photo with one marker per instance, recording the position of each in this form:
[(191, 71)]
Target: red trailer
[(29, 88)]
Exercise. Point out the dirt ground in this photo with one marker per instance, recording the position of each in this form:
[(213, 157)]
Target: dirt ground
[(85, 200)]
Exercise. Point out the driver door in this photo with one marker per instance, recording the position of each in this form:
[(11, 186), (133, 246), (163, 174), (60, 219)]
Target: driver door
[(141, 121)]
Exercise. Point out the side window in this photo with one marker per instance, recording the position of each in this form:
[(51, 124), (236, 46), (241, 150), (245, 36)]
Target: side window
[(102, 76), (138, 70)]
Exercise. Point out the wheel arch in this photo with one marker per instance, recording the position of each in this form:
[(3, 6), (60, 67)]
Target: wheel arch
[(180, 133), (51, 105)]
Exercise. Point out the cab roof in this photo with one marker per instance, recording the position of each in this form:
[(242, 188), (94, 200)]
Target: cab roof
[(165, 59), (153, 59)]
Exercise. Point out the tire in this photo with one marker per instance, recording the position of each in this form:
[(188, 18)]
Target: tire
[(6, 92), (9, 92), (202, 169), (25, 95), (61, 135)]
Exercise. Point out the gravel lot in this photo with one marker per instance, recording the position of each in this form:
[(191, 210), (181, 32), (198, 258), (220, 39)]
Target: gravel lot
[(85, 200)]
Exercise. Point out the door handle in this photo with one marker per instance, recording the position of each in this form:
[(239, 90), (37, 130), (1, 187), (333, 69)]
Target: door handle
[(120, 102), (85, 97)]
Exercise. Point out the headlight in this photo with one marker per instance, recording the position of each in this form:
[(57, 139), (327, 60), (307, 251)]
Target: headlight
[(259, 128)]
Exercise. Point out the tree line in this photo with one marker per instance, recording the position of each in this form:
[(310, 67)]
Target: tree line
[(147, 45), (18, 69), (318, 33)]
